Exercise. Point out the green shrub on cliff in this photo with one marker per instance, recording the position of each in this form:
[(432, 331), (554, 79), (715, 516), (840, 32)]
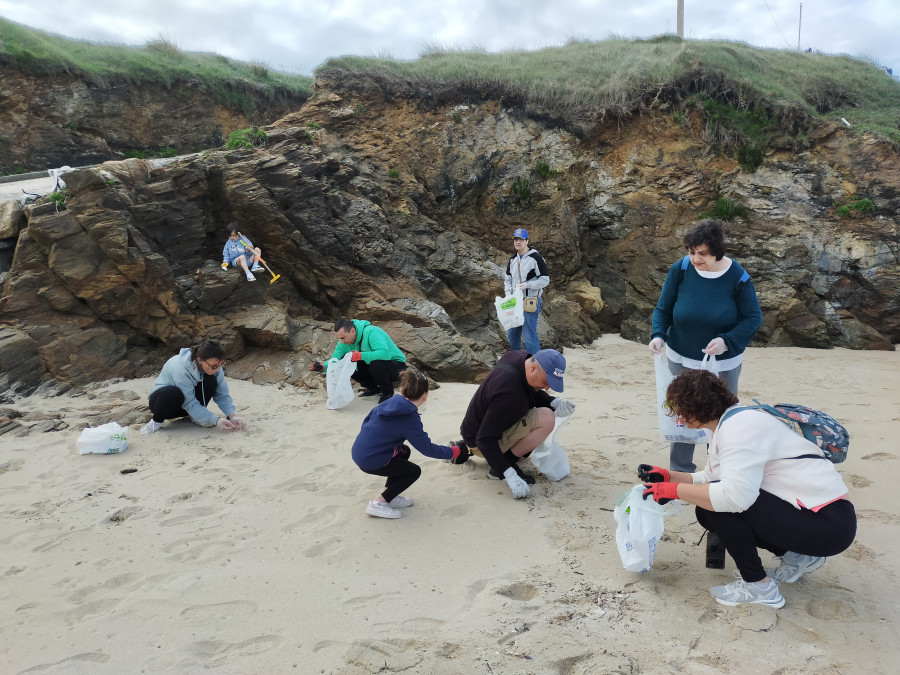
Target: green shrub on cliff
[(618, 77), (252, 137), (725, 209), (239, 85)]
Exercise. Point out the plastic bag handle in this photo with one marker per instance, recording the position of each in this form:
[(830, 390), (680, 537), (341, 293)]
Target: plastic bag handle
[(709, 363)]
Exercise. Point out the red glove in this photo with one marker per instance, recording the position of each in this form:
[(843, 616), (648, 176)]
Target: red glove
[(456, 451), (316, 367), (355, 356), (662, 493), (652, 474)]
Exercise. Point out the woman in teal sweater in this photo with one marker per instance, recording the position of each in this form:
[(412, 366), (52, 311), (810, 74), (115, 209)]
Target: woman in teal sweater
[(707, 306)]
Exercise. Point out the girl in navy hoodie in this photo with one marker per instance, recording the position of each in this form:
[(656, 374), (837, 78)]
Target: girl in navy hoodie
[(379, 448)]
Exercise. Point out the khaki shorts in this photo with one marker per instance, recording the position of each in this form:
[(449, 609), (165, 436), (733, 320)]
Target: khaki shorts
[(516, 432)]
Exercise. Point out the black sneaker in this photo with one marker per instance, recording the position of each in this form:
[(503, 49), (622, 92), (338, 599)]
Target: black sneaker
[(527, 477), (385, 397), (370, 392)]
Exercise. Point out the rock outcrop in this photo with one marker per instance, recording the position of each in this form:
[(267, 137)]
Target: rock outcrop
[(400, 211), (54, 121)]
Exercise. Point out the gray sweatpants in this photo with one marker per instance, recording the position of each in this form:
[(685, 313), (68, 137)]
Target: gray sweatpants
[(681, 455)]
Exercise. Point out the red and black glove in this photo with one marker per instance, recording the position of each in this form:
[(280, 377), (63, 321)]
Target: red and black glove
[(461, 452), (355, 356), (662, 493), (317, 367), (652, 474)]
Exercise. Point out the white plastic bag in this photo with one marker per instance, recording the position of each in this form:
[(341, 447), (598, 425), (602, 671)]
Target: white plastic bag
[(673, 429), (337, 382), (510, 311), (106, 439), (549, 457), (640, 528)]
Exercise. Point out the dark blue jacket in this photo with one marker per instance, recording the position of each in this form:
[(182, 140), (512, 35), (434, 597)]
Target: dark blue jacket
[(388, 426)]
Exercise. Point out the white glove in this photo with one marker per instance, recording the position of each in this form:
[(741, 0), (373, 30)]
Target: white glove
[(522, 286), (563, 407), (518, 486), (715, 347), (656, 345)]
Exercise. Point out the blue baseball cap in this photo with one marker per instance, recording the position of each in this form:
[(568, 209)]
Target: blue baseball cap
[(521, 233), (554, 365)]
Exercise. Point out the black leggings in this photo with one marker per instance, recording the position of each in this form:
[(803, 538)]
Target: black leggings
[(400, 473), (378, 375), (774, 525), (167, 403)]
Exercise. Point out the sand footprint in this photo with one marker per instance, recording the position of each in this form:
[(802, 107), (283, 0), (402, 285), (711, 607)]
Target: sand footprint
[(376, 656), (831, 608), (330, 546), (222, 611), (519, 591), (217, 651), (365, 600), (86, 657), (299, 484), (11, 465)]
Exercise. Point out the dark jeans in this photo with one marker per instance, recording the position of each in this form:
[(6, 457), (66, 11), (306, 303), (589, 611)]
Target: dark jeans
[(776, 526), (681, 455), (167, 403), (400, 473), (378, 375)]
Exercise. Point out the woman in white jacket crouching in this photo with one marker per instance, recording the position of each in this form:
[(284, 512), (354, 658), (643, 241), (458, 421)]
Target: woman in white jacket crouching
[(764, 486)]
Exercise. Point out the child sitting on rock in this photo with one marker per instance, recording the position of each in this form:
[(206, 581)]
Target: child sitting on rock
[(239, 252)]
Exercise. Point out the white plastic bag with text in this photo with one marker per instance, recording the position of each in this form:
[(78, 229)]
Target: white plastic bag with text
[(337, 382), (510, 310), (107, 439), (640, 528)]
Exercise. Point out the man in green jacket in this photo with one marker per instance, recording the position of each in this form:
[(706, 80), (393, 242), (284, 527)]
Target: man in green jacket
[(378, 360)]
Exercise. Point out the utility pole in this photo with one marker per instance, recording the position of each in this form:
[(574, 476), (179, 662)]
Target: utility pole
[(799, 24), (680, 19)]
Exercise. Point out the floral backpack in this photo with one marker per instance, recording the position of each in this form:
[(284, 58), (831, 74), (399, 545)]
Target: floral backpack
[(827, 433)]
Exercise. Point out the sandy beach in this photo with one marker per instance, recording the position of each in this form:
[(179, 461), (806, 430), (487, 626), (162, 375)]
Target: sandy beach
[(251, 552)]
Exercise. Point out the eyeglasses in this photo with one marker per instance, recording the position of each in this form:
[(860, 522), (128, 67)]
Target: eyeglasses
[(213, 368)]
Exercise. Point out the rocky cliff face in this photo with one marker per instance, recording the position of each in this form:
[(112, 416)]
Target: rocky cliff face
[(48, 122), (400, 210)]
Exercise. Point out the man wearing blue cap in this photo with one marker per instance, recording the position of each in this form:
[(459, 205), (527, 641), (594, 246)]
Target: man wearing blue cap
[(511, 414), (527, 272)]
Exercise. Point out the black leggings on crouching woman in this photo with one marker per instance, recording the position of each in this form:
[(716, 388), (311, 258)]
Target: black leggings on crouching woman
[(167, 403), (773, 524), (400, 473)]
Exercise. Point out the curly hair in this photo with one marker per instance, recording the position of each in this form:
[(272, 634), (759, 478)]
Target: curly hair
[(710, 233), (698, 396)]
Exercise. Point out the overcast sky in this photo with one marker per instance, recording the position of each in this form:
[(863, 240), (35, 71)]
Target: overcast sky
[(297, 36)]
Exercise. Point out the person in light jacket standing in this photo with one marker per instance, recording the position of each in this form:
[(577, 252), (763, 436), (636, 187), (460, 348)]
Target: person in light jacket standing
[(526, 271)]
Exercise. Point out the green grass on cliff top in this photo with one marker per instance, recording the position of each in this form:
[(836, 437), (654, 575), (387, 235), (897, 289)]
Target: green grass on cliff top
[(618, 75), (233, 83)]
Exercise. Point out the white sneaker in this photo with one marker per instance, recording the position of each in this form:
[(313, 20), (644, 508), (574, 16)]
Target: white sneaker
[(382, 510), (400, 502), (795, 565), (740, 592), (151, 428), (250, 276), (256, 268)]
